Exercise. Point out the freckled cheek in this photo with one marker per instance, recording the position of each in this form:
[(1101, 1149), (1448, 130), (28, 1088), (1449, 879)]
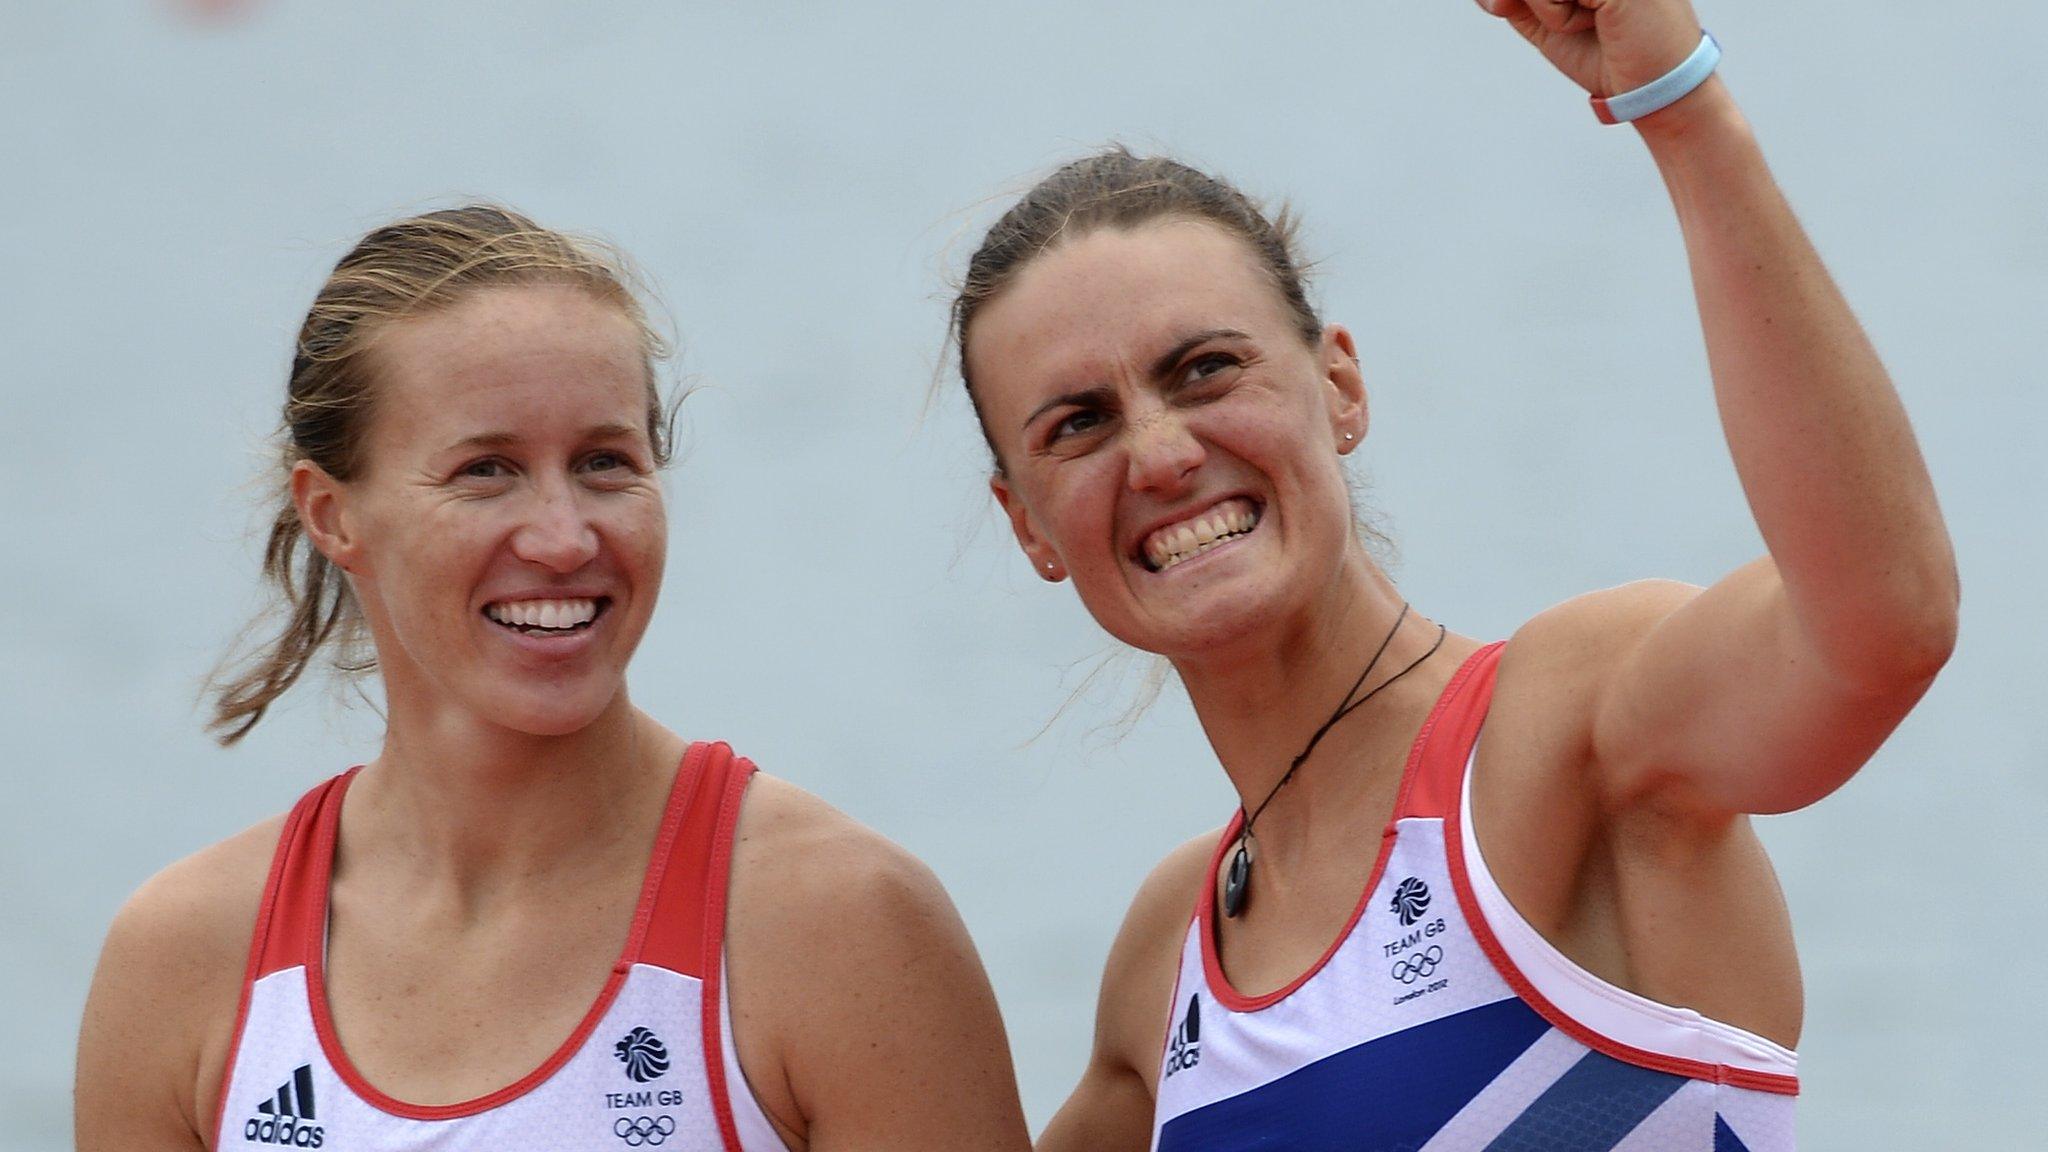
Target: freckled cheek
[(1083, 519), (639, 539), (431, 557)]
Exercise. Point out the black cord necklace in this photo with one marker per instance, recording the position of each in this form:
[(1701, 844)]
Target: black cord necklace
[(1237, 881)]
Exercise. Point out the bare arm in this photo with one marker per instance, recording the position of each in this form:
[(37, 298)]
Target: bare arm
[(158, 1020), (135, 1066), (862, 1015), (1770, 689), (1111, 1108)]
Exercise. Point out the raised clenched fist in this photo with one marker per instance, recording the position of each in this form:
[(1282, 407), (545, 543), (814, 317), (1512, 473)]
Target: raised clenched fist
[(1607, 46)]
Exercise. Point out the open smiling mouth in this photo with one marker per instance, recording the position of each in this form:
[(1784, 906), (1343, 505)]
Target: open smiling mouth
[(547, 617), (1179, 543)]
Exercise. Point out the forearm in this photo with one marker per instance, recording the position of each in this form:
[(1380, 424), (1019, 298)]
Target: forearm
[(1820, 440)]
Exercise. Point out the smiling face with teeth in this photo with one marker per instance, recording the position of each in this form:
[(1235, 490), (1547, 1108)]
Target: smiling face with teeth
[(505, 533), (1166, 436)]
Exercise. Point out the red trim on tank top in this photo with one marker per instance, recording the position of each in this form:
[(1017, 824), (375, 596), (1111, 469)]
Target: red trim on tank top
[(1220, 986), (315, 961), (259, 939), (1450, 761), (739, 772), (1431, 790), (675, 930)]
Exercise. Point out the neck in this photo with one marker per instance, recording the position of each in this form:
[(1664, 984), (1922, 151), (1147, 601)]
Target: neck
[(483, 808), (1260, 705)]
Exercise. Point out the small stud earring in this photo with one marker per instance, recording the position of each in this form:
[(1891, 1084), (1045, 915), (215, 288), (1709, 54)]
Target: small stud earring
[(1348, 437)]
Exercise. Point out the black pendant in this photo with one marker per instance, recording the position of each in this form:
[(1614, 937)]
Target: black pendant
[(1237, 882)]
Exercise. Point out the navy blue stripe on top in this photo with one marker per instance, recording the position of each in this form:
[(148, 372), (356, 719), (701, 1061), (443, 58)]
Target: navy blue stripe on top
[(1386, 1095), (1725, 1139), (1591, 1108)]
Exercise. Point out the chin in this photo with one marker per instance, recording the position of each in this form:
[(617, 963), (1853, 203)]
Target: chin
[(549, 712), (1193, 626)]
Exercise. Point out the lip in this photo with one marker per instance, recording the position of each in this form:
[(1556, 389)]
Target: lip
[(1134, 551), (570, 592)]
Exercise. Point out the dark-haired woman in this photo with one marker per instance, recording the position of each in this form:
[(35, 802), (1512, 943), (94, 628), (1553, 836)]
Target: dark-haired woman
[(1476, 895), (538, 919)]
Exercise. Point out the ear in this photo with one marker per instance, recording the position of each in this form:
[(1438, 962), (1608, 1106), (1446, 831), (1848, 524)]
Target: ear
[(1344, 384), (1044, 561), (322, 502)]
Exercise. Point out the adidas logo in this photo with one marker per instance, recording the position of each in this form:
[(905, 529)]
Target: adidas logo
[(1184, 1050), (286, 1118)]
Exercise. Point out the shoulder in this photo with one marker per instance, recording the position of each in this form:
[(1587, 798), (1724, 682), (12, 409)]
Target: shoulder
[(809, 866), (160, 1016), (839, 940), (1558, 663), (1165, 903), (189, 925), (1592, 631), (1539, 794), (820, 902), (1144, 962)]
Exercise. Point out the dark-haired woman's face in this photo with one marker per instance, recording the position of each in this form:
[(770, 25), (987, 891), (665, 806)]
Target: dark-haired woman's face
[(1167, 437), (506, 534)]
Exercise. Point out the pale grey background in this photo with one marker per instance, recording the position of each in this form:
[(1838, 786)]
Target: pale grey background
[(843, 604)]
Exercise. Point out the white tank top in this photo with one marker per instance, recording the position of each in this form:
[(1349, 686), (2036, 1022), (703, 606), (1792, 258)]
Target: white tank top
[(1440, 1021), (651, 1063)]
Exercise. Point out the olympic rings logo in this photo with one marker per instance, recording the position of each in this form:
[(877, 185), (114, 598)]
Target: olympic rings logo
[(1409, 969), (643, 1130)]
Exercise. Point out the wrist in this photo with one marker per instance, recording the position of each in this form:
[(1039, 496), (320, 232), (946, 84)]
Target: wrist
[(1705, 111), (1644, 98)]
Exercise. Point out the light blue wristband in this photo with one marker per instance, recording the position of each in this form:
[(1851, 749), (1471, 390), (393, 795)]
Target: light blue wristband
[(1665, 90)]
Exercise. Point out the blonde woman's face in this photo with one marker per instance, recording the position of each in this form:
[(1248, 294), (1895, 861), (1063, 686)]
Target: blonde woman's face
[(506, 532)]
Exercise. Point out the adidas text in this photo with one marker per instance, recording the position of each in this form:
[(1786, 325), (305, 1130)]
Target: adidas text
[(286, 1132)]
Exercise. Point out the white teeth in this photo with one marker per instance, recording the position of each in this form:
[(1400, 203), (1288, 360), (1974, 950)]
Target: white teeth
[(554, 614), (1171, 545)]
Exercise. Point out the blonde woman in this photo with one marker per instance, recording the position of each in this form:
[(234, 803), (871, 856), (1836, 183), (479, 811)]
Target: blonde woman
[(539, 919)]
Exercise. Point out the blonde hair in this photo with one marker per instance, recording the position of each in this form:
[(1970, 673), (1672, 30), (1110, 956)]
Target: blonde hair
[(406, 268)]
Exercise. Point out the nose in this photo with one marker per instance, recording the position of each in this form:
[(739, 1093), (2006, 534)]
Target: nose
[(1163, 451), (557, 533)]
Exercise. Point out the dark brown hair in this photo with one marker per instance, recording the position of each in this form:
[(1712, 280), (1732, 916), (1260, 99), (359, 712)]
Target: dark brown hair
[(1115, 189), (406, 268)]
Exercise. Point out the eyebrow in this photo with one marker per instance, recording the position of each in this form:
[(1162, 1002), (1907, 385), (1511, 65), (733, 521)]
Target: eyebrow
[(502, 439), (1173, 355), (1160, 367)]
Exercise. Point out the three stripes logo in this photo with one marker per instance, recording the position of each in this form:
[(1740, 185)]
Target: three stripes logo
[(1184, 1048), (286, 1119)]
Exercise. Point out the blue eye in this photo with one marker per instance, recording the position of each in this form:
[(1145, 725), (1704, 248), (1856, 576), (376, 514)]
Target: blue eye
[(489, 468)]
